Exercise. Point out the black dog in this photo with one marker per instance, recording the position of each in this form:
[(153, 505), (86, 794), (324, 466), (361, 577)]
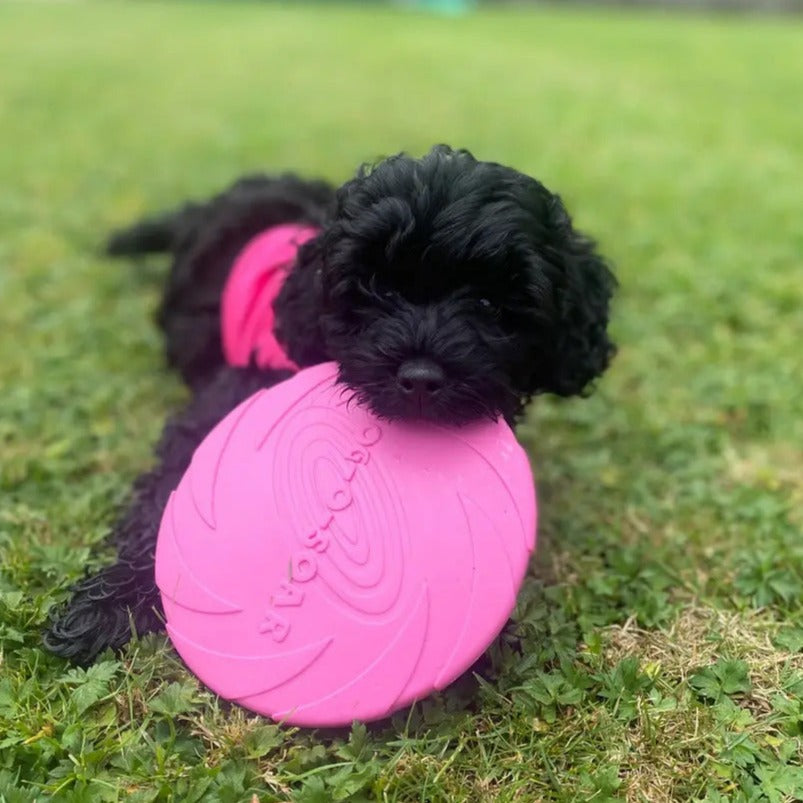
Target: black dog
[(445, 288)]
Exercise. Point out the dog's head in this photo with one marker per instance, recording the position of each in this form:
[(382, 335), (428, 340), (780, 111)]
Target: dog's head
[(449, 289)]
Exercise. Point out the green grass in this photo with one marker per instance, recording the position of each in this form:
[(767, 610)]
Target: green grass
[(656, 653)]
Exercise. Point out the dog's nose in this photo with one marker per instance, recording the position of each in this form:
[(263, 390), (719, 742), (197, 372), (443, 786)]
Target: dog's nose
[(420, 379)]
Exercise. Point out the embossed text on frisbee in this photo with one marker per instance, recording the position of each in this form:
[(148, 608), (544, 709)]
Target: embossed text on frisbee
[(304, 562)]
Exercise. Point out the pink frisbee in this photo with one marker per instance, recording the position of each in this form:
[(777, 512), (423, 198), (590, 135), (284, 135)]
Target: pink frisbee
[(318, 565)]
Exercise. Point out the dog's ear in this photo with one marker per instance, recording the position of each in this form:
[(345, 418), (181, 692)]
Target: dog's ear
[(299, 307), (570, 344)]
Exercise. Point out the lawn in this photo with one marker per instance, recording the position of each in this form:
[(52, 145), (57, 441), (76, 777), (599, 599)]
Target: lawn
[(657, 650)]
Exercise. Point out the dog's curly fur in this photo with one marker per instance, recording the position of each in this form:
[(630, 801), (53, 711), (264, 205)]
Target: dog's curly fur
[(470, 265)]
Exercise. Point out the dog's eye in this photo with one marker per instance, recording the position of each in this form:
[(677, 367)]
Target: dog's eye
[(486, 304)]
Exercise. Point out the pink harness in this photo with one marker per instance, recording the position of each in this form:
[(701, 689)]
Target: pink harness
[(256, 277)]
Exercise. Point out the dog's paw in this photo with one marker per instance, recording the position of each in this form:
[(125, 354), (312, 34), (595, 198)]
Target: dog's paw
[(93, 620)]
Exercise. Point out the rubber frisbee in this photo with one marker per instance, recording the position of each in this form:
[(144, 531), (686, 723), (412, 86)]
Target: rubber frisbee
[(318, 565)]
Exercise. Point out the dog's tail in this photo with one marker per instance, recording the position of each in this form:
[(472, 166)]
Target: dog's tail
[(153, 235)]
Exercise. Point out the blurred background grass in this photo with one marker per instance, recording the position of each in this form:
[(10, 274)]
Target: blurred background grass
[(676, 140)]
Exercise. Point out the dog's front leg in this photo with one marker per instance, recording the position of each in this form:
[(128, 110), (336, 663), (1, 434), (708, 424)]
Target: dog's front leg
[(104, 607)]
